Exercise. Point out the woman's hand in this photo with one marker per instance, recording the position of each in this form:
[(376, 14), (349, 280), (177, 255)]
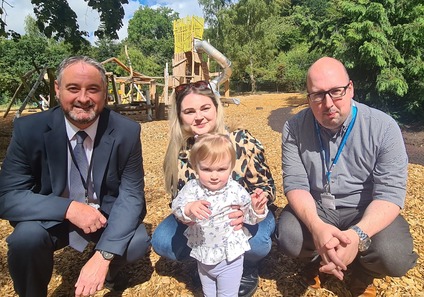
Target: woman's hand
[(237, 217)]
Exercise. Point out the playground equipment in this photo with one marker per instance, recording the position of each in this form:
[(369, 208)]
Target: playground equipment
[(189, 65), (45, 75), (126, 94)]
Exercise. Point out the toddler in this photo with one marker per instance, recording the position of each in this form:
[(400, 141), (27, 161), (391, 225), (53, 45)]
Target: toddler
[(204, 204)]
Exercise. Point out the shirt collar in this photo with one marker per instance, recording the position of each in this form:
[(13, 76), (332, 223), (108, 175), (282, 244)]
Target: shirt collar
[(71, 129)]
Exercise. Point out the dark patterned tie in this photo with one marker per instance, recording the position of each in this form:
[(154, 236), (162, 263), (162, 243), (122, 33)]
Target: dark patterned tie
[(77, 191)]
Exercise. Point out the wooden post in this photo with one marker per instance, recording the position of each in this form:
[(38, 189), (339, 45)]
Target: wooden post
[(122, 89), (13, 99), (227, 88), (115, 91), (153, 96), (52, 93), (31, 93)]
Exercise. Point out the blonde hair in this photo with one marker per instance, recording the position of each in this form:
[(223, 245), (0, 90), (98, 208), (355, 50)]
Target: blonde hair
[(178, 137), (213, 147)]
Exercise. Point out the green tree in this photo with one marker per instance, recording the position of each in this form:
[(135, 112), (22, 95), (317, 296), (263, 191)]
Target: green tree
[(146, 65), (212, 10), (31, 52), (104, 49), (290, 67), (290, 31), (57, 20), (408, 35), (251, 31), (17, 59), (150, 31)]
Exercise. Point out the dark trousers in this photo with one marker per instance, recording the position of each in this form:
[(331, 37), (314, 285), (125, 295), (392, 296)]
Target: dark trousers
[(390, 254), (31, 248)]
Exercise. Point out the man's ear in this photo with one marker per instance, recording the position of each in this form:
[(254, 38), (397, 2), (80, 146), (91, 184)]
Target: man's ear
[(352, 88)]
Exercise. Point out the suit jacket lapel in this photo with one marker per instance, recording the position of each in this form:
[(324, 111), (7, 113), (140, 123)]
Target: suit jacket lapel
[(56, 151), (103, 145)]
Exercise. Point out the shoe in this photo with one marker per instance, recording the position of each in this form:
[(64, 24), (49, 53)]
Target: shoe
[(358, 288), (310, 277), (119, 283), (249, 281), (195, 278), (313, 282), (361, 284)]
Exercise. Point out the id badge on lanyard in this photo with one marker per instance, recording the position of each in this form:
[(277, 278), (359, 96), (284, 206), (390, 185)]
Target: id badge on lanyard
[(328, 200)]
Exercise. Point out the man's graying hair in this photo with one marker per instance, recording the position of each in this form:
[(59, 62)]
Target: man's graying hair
[(75, 59)]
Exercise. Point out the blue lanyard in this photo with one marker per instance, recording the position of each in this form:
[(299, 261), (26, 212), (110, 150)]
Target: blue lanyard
[(325, 155)]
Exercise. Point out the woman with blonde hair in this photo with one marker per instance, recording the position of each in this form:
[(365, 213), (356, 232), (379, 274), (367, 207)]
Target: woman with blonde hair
[(196, 111)]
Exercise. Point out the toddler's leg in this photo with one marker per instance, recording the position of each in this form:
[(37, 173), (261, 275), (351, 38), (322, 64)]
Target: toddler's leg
[(229, 277), (208, 279)]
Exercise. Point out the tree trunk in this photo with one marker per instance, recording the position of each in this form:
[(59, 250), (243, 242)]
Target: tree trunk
[(252, 77)]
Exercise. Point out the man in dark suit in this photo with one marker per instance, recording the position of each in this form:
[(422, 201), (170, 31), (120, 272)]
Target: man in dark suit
[(36, 185)]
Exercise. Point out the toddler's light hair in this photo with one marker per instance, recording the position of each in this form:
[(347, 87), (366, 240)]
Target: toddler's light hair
[(212, 147)]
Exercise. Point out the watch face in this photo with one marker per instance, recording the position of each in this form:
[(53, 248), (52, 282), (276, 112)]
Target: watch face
[(364, 244), (364, 240), (107, 255)]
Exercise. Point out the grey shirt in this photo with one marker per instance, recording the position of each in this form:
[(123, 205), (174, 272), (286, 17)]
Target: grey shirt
[(372, 165)]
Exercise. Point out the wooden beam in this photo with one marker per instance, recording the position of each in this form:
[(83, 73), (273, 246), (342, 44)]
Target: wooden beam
[(31, 93)]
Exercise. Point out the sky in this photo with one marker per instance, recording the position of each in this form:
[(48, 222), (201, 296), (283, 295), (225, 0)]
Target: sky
[(88, 19)]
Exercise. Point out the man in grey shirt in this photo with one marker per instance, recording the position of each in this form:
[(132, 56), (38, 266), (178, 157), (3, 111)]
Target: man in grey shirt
[(344, 176)]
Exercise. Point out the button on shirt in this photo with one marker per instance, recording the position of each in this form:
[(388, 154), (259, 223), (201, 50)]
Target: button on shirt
[(372, 165)]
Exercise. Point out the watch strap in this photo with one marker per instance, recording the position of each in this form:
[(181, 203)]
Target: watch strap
[(362, 235), (106, 255)]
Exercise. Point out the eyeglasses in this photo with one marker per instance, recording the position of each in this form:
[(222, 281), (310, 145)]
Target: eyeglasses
[(199, 85), (335, 94)]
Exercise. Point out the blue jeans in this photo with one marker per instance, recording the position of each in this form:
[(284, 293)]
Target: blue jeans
[(169, 241)]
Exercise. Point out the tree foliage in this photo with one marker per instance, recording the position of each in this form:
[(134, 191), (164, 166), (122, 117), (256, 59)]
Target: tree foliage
[(104, 49), (251, 32), (18, 58), (150, 31), (212, 10), (31, 52), (57, 20), (141, 63), (291, 67)]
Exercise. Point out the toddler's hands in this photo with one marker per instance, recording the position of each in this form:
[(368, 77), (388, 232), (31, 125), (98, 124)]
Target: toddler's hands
[(198, 209), (259, 201)]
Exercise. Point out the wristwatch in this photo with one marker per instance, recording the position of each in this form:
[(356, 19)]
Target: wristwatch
[(106, 255), (364, 239)]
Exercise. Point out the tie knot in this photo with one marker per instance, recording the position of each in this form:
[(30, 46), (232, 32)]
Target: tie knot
[(81, 135)]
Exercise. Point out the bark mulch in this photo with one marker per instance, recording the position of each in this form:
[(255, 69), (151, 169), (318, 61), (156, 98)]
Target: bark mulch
[(264, 116)]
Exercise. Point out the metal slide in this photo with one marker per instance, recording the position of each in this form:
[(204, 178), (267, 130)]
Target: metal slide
[(204, 46)]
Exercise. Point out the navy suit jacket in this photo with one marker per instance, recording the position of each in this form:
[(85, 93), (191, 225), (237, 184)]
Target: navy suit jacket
[(34, 174)]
